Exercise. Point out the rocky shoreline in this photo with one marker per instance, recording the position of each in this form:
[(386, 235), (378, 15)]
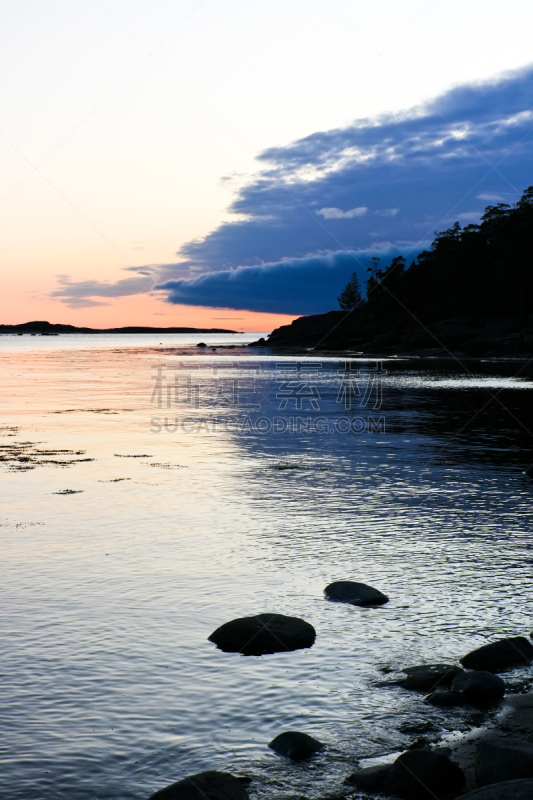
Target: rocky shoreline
[(473, 336), (492, 762)]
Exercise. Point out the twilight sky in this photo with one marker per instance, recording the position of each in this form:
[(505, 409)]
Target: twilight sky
[(230, 164)]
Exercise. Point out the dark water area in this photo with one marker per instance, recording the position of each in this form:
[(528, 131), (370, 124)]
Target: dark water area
[(149, 511)]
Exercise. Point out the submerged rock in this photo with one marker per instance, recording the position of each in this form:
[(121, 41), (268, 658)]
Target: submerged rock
[(211, 785), (423, 775), (479, 688), (499, 656), (295, 745), (503, 760), (264, 633), (445, 699), (508, 790), (370, 779), (427, 677), (357, 594)]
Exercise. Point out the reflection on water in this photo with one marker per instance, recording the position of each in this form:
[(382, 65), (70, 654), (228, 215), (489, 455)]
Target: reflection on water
[(117, 569)]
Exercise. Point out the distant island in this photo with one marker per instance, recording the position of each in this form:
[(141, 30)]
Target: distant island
[(471, 294), (49, 329)]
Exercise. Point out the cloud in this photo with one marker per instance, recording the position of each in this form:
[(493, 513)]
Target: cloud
[(387, 212), (336, 213), (286, 249), (285, 287), (491, 198), (79, 294)]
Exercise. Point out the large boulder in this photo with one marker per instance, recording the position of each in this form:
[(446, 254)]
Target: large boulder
[(479, 689), (503, 760), (370, 779), (499, 656), (508, 790), (211, 785), (423, 775), (357, 594), (428, 677), (295, 745), (264, 633)]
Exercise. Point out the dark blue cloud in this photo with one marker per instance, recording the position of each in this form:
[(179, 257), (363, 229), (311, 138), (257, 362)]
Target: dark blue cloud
[(285, 287), (413, 174), (327, 201)]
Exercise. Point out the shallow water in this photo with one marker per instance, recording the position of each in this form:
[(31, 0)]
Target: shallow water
[(116, 569)]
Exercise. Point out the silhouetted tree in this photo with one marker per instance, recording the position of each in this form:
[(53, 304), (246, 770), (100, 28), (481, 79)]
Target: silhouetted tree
[(484, 269), (350, 297)]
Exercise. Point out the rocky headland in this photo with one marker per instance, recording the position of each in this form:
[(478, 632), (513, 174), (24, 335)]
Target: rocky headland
[(473, 336)]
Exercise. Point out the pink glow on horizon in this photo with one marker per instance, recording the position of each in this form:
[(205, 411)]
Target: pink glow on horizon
[(139, 310)]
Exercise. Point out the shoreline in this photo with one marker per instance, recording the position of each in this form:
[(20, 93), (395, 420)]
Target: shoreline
[(515, 720)]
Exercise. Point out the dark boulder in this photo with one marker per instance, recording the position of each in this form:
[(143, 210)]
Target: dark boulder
[(295, 745), (427, 677), (370, 779), (357, 594), (423, 775), (479, 689), (201, 344), (445, 699), (529, 471), (503, 760), (264, 633), (508, 790), (499, 656), (211, 785)]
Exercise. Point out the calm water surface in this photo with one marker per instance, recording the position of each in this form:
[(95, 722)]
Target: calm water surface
[(132, 525)]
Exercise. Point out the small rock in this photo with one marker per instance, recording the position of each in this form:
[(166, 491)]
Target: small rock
[(418, 727), (503, 760), (295, 745), (499, 656), (529, 471), (370, 779), (211, 785), (508, 790), (201, 344), (479, 689), (445, 699), (357, 594), (264, 633), (423, 775), (427, 677)]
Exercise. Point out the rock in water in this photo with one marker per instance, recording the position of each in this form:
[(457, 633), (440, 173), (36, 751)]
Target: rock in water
[(264, 633), (499, 656), (479, 688), (212, 785), (428, 677), (503, 760), (445, 699), (295, 746), (529, 471), (357, 594), (370, 779), (508, 790), (423, 775)]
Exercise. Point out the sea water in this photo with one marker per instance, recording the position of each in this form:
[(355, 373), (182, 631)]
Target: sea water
[(152, 491)]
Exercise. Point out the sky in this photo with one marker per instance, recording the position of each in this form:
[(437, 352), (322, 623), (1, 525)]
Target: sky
[(231, 164)]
